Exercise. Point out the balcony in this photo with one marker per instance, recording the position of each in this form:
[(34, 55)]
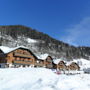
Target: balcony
[(49, 61), (39, 64), (3, 61), (49, 65), (22, 55), (22, 62)]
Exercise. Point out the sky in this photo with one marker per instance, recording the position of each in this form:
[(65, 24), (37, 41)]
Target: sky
[(64, 20)]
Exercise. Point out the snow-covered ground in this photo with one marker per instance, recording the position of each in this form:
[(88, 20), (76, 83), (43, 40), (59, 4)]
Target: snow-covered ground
[(41, 79)]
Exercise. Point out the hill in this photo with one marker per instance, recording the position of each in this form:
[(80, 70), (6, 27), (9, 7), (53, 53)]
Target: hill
[(38, 42)]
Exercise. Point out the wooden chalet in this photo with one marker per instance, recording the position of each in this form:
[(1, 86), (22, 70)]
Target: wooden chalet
[(44, 61), (49, 62), (39, 63), (73, 66), (17, 57), (23, 57), (59, 64)]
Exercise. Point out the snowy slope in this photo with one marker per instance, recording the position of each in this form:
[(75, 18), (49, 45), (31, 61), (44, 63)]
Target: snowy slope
[(83, 63), (41, 79), (29, 40)]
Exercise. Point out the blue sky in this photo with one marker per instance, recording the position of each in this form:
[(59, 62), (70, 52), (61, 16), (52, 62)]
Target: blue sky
[(66, 20)]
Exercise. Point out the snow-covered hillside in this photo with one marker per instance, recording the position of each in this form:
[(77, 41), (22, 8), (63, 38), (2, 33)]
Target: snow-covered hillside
[(83, 63), (8, 41), (41, 79), (40, 43)]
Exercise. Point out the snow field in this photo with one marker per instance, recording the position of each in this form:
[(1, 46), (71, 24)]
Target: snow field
[(41, 79), (26, 79)]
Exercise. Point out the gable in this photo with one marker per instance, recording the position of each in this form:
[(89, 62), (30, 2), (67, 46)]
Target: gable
[(75, 64), (22, 52), (49, 58), (62, 62)]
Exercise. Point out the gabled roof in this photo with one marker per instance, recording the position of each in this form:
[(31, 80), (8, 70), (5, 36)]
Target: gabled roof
[(7, 50), (68, 63), (74, 63), (56, 61), (42, 56)]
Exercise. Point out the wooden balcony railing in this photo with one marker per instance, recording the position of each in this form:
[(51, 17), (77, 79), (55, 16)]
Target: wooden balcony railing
[(22, 62), (39, 64), (49, 60), (49, 65), (3, 60), (21, 55)]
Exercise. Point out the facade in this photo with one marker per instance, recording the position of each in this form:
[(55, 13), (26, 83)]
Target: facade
[(39, 63), (61, 65), (44, 61), (73, 66), (18, 57), (65, 66), (23, 57), (49, 62)]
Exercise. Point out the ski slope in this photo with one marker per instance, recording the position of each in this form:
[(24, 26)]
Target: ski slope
[(41, 79)]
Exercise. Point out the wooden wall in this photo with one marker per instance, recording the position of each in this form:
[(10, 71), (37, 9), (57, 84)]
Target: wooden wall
[(73, 66), (49, 62), (61, 65), (20, 57)]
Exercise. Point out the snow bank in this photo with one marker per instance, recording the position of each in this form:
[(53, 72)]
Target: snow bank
[(41, 79)]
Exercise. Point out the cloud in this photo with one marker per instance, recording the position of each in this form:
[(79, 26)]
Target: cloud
[(79, 34)]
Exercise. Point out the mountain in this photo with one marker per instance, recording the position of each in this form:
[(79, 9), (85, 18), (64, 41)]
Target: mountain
[(40, 43)]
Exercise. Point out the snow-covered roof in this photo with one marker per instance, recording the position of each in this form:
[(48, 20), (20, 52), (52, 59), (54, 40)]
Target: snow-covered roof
[(42, 56), (56, 61), (68, 63), (8, 49)]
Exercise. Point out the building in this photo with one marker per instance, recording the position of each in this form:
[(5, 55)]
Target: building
[(16, 57), (44, 60), (73, 66), (59, 64), (39, 63), (23, 57), (49, 62)]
